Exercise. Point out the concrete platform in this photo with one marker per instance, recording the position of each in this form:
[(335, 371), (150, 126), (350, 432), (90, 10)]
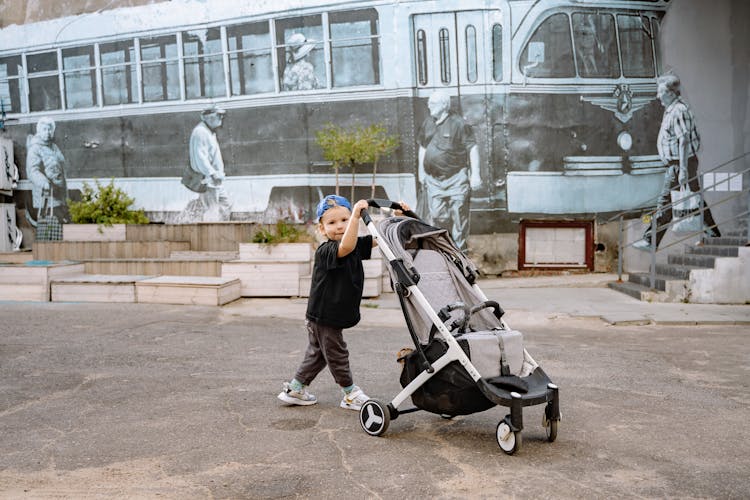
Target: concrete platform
[(31, 280), (188, 290), (268, 279), (95, 288)]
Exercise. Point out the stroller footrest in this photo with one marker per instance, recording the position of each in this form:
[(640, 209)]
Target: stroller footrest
[(499, 393)]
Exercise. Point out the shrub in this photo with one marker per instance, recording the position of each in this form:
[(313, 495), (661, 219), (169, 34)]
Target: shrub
[(282, 232), (105, 205)]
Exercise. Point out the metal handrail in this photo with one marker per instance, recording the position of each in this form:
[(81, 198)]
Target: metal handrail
[(654, 228), (655, 199)]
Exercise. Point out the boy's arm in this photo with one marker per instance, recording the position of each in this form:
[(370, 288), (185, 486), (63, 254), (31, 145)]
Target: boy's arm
[(349, 240)]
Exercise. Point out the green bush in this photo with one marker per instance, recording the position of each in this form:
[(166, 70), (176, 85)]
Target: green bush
[(105, 205), (282, 232)]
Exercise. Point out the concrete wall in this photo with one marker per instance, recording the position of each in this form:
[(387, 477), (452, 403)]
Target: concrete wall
[(707, 44), (30, 11)]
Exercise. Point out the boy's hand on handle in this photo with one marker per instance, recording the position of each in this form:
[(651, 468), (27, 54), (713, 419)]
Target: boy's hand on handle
[(358, 207)]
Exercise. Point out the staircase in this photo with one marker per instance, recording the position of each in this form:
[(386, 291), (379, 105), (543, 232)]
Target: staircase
[(715, 271), (206, 264)]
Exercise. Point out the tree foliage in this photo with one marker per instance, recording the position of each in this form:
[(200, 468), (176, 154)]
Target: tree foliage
[(353, 146), (105, 205)]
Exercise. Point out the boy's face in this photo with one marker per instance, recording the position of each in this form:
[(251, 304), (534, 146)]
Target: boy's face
[(333, 222)]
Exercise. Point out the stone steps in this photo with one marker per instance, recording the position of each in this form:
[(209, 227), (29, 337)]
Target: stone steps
[(85, 250), (155, 267), (714, 271)]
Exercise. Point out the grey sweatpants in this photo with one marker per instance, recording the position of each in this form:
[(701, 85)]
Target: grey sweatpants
[(325, 346)]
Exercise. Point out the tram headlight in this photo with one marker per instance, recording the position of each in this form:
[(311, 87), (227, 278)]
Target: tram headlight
[(625, 141)]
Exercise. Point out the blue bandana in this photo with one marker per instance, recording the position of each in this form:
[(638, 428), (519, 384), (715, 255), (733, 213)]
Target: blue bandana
[(332, 200)]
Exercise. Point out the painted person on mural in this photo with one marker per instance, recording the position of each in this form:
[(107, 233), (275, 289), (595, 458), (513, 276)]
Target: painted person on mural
[(448, 168), (206, 159), (678, 143), (299, 73), (45, 168)]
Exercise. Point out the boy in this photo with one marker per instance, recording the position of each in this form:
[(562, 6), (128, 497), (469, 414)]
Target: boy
[(335, 294)]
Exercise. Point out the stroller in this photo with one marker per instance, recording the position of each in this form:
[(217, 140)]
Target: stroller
[(466, 359)]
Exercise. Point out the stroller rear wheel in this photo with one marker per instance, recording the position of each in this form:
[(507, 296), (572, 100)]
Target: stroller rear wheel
[(508, 440), (374, 417)]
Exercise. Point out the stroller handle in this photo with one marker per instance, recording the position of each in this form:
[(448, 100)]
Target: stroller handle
[(394, 205)]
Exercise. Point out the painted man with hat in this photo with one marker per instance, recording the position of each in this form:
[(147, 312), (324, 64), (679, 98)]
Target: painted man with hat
[(299, 73), (206, 162)]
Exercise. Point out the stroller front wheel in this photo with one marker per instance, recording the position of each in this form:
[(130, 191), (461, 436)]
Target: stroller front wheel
[(509, 441), (374, 417)]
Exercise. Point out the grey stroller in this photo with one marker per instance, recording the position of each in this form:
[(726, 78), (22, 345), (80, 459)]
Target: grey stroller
[(465, 358)]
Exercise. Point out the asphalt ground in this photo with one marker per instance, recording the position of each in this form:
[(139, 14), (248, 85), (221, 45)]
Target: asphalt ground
[(148, 401)]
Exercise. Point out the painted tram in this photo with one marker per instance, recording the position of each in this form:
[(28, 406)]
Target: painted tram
[(560, 95)]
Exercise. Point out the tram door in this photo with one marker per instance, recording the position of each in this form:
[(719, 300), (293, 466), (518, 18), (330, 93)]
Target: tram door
[(451, 54), (450, 50)]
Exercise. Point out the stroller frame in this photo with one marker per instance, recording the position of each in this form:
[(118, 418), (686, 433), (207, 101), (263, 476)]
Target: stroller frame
[(375, 415)]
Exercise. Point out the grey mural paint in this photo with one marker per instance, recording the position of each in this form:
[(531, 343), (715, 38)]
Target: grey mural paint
[(205, 172), (559, 97), (45, 167)]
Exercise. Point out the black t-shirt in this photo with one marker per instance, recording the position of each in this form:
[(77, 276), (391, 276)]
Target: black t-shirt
[(337, 284)]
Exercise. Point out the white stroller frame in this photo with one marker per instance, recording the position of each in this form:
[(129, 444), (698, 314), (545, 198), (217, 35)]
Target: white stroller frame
[(375, 415)]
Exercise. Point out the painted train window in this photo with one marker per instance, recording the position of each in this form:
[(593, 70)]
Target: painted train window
[(355, 49), (192, 64), (635, 43), (44, 85), (549, 53), (10, 89), (80, 77), (497, 52), (119, 79), (204, 63), (471, 54), (596, 45), (444, 38), (161, 75), (250, 60), (299, 42), (657, 48), (422, 57)]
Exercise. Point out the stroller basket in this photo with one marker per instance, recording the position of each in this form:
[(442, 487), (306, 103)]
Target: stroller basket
[(465, 358)]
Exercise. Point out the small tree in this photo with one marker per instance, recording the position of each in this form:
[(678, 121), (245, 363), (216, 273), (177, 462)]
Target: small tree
[(355, 146), (106, 206)]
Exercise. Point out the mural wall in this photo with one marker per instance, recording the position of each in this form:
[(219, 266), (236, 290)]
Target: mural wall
[(549, 110)]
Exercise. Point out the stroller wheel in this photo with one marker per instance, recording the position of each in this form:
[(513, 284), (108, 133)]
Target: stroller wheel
[(551, 430), (509, 441), (374, 417)]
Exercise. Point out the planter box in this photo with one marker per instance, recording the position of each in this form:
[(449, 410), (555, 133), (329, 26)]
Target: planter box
[(277, 252), (93, 232)]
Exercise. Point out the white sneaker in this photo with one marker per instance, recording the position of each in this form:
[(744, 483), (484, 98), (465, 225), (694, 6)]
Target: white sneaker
[(293, 397), (354, 399)]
